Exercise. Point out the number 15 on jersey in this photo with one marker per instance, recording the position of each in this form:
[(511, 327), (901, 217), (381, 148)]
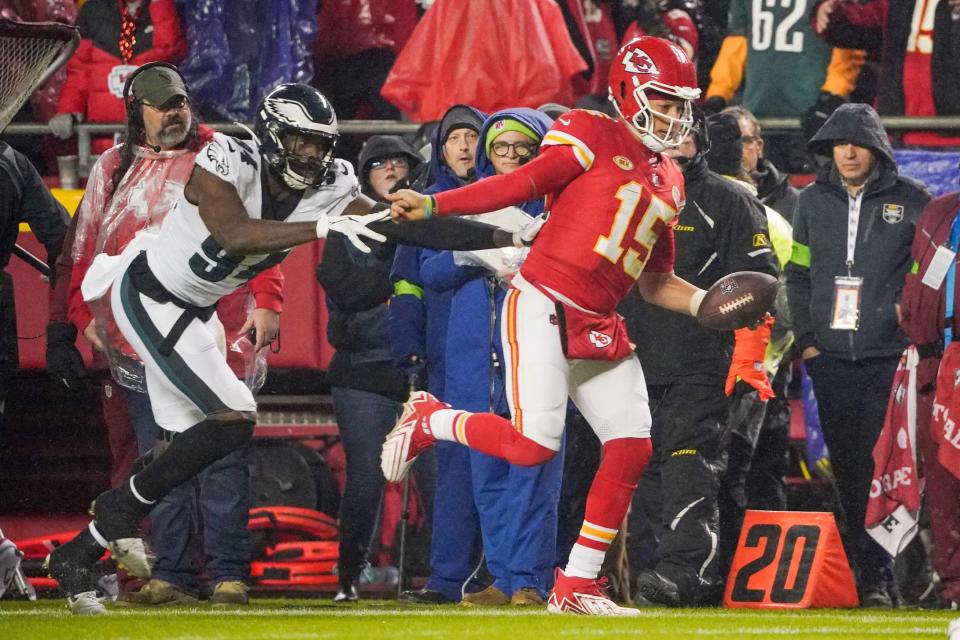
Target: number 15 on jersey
[(652, 220)]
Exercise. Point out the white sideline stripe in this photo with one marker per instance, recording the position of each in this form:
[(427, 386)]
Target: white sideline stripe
[(924, 622), (766, 632)]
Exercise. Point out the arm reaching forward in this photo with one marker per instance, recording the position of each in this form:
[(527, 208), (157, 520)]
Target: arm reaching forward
[(670, 291), (549, 172)]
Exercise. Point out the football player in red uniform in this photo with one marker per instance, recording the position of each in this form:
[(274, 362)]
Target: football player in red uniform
[(611, 198)]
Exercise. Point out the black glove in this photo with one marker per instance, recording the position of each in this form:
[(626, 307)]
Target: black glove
[(725, 155), (714, 104), (817, 115), (64, 362)]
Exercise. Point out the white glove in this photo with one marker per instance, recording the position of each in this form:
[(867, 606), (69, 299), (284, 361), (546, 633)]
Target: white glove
[(9, 564), (525, 235), (61, 125), (353, 227)]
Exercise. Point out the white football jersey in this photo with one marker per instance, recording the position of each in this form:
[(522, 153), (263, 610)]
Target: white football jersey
[(186, 258)]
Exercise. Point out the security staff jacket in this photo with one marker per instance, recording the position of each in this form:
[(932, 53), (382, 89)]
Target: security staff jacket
[(889, 210), (721, 229)]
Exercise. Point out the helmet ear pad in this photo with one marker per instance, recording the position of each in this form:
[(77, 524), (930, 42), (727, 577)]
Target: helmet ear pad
[(271, 146)]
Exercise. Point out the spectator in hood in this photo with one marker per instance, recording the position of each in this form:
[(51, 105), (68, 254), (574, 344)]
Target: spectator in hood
[(365, 384), (851, 250), (384, 162), (419, 316), (773, 187), (458, 135)]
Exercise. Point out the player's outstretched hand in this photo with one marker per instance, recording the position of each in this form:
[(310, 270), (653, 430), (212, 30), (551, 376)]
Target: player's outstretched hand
[(525, 236), (407, 204), (353, 227)]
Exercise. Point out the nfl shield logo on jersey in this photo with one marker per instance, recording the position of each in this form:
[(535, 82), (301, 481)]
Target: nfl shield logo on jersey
[(638, 61), (892, 213)]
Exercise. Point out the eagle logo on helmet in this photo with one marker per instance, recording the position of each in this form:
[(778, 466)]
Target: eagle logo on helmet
[(638, 61), (288, 112)]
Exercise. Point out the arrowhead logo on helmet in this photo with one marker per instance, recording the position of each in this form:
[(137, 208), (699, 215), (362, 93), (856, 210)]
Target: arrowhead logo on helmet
[(637, 61)]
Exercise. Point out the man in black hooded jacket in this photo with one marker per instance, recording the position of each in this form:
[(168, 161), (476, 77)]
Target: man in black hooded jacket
[(851, 250), (721, 229)]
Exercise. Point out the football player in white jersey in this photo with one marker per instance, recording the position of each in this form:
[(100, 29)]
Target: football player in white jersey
[(245, 207)]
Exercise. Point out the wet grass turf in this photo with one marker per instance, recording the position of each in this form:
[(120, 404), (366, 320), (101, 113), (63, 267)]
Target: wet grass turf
[(307, 619)]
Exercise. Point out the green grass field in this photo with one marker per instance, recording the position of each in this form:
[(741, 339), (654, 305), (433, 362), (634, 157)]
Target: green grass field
[(304, 619)]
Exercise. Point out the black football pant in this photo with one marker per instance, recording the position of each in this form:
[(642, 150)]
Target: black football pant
[(675, 507), (852, 398), (756, 460)]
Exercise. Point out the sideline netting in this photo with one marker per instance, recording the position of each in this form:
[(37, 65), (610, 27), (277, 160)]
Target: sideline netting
[(30, 52)]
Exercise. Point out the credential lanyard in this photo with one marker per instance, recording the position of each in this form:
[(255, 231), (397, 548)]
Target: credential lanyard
[(853, 221), (953, 242)]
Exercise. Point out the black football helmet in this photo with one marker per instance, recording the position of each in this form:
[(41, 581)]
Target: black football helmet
[(288, 116)]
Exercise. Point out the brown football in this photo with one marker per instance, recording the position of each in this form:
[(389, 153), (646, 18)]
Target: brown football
[(737, 300)]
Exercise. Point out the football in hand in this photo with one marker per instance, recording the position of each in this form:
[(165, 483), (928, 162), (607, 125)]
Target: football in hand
[(738, 300)]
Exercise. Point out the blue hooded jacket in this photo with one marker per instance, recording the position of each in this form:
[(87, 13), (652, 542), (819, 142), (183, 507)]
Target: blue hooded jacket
[(419, 314), (474, 327)]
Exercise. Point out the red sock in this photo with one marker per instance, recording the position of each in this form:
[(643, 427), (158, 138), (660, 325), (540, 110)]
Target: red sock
[(609, 498), (495, 436)]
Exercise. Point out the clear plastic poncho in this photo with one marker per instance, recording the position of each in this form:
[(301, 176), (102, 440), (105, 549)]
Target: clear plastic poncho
[(106, 223)]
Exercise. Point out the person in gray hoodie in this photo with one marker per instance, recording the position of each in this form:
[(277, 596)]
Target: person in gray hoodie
[(851, 250)]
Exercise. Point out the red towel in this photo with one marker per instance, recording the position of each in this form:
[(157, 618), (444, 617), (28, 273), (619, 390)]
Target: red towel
[(894, 502)]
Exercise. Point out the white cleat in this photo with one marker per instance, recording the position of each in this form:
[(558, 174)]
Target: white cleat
[(131, 555), (86, 604), (584, 596), (953, 630), (411, 436)]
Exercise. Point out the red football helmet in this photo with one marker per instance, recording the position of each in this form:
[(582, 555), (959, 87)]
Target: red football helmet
[(650, 68)]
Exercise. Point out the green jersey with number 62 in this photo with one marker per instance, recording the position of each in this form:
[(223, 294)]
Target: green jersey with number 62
[(786, 62)]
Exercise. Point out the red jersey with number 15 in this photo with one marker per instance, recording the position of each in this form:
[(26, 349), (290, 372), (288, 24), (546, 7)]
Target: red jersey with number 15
[(612, 221)]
